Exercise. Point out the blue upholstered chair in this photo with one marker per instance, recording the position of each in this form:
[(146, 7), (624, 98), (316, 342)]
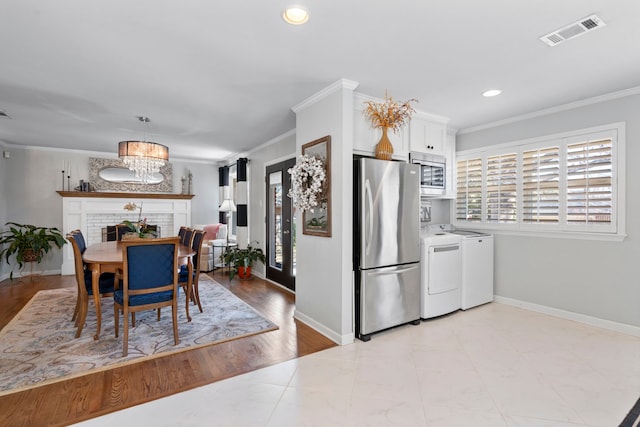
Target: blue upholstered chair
[(196, 245), (83, 280), (149, 281), (121, 230), (187, 239)]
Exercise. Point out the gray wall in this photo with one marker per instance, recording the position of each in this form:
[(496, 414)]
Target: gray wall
[(31, 177), (587, 277)]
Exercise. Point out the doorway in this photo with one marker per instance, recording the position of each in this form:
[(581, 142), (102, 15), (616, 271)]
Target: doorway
[(280, 225)]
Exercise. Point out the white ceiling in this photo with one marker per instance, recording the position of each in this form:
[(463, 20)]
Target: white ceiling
[(218, 77)]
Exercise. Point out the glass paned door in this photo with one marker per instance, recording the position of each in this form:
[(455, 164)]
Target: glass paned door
[(281, 251)]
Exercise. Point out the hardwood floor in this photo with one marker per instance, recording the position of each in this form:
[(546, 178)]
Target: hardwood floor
[(85, 397)]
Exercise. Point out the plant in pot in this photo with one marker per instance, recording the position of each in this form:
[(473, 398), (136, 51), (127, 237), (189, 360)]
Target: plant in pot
[(241, 260), (28, 243)]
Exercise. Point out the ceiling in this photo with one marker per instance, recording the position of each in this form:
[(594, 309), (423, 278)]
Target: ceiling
[(219, 77)]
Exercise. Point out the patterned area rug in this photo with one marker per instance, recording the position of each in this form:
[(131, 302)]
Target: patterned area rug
[(38, 346)]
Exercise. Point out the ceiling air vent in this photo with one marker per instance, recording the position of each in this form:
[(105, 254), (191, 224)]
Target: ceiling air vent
[(576, 29)]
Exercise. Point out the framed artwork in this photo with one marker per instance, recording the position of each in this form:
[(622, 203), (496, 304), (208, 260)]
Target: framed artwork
[(317, 221)]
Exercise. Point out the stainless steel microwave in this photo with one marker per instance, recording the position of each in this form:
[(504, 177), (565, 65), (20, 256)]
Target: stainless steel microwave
[(433, 169)]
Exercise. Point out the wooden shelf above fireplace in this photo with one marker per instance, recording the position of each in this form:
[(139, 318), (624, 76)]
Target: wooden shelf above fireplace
[(125, 195)]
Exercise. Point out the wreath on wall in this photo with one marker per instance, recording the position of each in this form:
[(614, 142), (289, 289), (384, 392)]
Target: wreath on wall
[(308, 179)]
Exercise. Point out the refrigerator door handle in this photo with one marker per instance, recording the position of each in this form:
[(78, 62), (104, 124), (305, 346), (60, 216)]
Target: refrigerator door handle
[(368, 210), (393, 270)]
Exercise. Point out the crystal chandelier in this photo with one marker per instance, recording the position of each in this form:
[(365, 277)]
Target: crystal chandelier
[(145, 158)]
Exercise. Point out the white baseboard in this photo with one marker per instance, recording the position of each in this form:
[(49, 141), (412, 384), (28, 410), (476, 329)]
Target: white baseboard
[(589, 320), (319, 327), (18, 275)]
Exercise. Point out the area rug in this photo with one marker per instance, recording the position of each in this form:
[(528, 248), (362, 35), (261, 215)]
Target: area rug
[(38, 346)]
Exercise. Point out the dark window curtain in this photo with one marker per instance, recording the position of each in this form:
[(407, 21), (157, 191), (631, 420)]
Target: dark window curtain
[(223, 179)]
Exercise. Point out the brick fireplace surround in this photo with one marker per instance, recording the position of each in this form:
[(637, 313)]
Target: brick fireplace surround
[(91, 211)]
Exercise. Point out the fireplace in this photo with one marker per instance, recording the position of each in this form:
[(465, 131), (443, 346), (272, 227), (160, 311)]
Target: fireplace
[(90, 212)]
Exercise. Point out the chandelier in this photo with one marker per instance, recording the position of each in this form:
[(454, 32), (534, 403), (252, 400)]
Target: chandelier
[(145, 158)]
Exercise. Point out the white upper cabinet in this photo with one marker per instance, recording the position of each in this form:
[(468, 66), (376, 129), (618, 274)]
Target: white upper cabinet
[(428, 134)]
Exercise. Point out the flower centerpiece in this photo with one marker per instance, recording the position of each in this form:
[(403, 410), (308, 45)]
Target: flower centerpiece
[(308, 182), (387, 115), (140, 227)]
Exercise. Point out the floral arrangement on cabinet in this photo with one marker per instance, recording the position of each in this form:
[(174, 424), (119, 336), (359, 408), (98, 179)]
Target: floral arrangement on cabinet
[(387, 115)]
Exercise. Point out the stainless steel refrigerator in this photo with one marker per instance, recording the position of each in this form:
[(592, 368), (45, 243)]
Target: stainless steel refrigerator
[(386, 245)]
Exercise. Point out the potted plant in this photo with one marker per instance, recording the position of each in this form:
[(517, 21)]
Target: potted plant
[(241, 260), (28, 242)]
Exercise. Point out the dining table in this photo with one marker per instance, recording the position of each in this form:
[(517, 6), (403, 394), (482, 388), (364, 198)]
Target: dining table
[(108, 257)]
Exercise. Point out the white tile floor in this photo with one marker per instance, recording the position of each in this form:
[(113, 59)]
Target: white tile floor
[(494, 365)]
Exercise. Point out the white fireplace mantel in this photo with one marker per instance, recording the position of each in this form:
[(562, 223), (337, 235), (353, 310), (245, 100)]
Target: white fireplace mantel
[(91, 211)]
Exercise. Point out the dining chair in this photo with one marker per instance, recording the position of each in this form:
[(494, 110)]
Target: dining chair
[(149, 281), (121, 230), (183, 277), (187, 239), (181, 232), (110, 234), (84, 282)]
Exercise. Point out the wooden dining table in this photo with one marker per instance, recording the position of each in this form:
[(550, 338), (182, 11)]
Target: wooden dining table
[(107, 257)]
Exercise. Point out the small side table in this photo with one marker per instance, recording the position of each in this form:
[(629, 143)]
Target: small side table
[(225, 247)]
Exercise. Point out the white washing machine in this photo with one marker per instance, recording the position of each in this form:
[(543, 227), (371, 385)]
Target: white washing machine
[(440, 275), (477, 268)]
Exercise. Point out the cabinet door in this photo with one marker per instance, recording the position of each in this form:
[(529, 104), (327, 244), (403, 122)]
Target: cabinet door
[(427, 137)]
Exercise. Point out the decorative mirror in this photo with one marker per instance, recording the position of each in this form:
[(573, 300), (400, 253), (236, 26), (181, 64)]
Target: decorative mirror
[(113, 175)]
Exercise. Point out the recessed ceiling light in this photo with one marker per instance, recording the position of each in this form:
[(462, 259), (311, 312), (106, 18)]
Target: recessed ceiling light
[(491, 92), (295, 15)]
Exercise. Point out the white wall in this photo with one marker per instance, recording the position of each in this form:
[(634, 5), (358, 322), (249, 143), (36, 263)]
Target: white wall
[(324, 293), (590, 278), (31, 177)]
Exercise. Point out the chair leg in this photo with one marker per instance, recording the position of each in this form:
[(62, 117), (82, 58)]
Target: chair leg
[(125, 338), (116, 317), (76, 311), (196, 293), (158, 314), (82, 316), (133, 319), (174, 312)]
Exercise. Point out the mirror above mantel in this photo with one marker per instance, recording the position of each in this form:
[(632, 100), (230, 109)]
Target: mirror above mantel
[(113, 175)]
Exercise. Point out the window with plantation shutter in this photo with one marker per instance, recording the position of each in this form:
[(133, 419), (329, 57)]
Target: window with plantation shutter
[(570, 183), (469, 190), (501, 188), (589, 182), (541, 185)]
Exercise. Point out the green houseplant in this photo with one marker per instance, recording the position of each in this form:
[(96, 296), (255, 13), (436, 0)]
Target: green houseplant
[(241, 260), (28, 242)]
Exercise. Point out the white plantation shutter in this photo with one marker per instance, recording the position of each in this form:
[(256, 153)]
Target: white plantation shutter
[(501, 188), (469, 190), (567, 183), (541, 185), (590, 182)]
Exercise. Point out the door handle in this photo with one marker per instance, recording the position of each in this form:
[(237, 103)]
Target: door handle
[(285, 232), (393, 270), (368, 210)]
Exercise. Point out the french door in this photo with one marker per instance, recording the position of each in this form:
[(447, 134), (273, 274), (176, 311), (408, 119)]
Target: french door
[(280, 227)]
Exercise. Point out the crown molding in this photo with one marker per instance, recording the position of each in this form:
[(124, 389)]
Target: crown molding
[(334, 87), (559, 108)]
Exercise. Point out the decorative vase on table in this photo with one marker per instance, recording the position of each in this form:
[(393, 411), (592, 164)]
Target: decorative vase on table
[(384, 148)]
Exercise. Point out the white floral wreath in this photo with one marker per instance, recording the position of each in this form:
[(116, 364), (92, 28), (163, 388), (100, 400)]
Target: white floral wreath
[(307, 177)]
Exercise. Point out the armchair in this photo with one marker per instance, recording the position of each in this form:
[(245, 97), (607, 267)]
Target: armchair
[(149, 281)]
